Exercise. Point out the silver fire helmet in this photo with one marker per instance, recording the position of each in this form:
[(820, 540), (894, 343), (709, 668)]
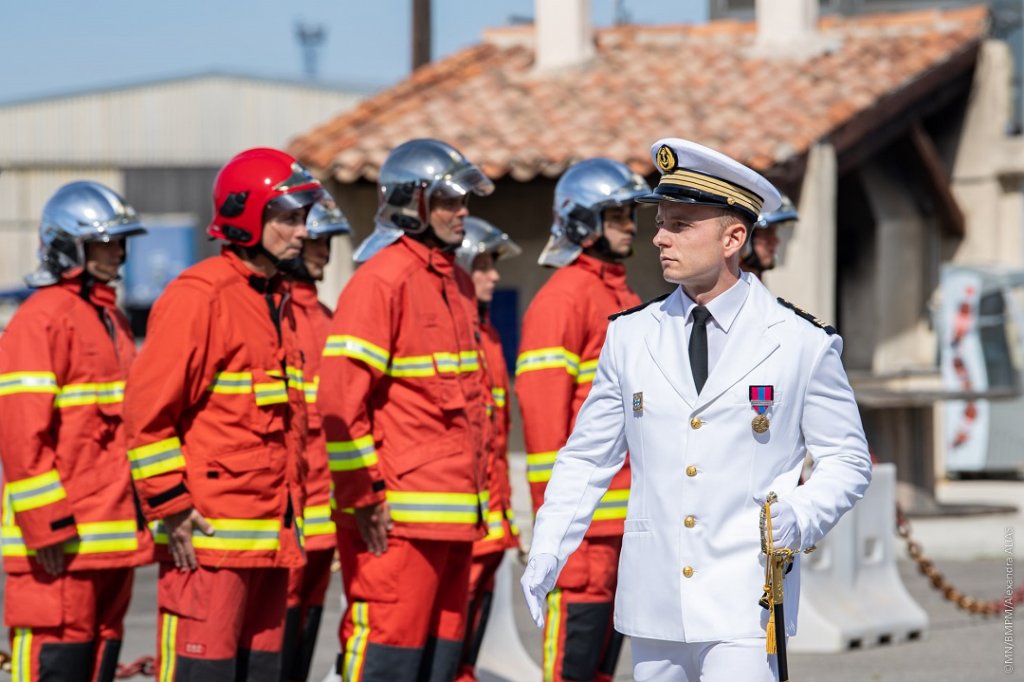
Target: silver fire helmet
[(413, 174), (582, 193), (483, 237), (325, 219), (77, 213)]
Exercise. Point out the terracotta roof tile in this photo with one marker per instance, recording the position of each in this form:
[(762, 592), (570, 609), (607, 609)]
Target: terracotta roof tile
[(702, 82)]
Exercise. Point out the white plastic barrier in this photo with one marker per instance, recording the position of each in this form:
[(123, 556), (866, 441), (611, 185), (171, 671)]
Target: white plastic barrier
[(851, 595)]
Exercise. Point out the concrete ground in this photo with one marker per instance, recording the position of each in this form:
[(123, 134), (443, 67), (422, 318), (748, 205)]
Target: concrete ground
[(957, 646)]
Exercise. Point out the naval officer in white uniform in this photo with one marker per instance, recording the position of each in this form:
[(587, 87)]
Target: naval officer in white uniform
[(718, 392)]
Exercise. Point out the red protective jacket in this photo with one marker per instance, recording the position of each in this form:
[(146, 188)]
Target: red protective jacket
[(563, 332), (63, 363), (402, 395), (314, 320), (215, 414), (502, 532)]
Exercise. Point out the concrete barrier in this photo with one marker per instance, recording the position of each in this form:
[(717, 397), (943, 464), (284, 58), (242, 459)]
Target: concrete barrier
[(851, 593)]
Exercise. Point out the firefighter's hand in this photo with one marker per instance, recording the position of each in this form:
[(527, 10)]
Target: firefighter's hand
[(374, 522), (785, 531), (539, 579), (52, 558), (179, 537)]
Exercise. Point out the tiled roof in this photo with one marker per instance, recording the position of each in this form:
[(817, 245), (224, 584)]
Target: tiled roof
[(701, 82)]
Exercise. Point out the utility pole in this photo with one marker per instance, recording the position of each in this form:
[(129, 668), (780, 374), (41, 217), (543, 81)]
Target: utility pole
[(421, 33), (310, 38)]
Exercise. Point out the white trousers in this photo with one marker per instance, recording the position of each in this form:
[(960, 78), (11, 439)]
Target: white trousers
[(656, 660)]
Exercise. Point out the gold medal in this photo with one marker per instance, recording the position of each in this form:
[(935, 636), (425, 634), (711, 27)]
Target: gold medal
[(760, 423)]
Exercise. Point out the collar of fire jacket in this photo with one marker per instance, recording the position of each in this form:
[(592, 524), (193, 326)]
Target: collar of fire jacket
[(441, 262), (612, 273)]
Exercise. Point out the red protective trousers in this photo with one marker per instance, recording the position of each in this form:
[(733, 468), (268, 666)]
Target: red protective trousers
[(67, 627), (407, 609), (220, 624)]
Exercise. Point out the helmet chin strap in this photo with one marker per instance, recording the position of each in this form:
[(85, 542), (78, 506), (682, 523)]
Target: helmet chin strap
[(603, 250), (429, 238)]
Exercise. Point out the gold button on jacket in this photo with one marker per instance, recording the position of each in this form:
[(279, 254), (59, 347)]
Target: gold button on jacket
[(690, 521), (696, 423), (688, 571), (691, 470)]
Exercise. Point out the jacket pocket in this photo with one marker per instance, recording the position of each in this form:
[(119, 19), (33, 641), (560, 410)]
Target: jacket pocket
[(34, 600), (185, 594), (430, 451), (241, 461)]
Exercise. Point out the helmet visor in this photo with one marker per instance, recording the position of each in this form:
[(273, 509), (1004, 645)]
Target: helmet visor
[(298, 177), (293, 200), (462, 180)]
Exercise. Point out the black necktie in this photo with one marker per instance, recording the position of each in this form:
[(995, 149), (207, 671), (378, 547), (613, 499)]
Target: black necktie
[(699, 346)]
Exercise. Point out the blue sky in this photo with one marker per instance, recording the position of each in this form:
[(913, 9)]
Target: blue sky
[(52, 46)]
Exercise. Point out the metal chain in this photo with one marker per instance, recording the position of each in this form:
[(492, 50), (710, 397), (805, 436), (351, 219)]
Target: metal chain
[(939, 582)]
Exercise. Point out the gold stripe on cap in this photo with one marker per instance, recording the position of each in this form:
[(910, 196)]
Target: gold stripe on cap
[(734, 194)]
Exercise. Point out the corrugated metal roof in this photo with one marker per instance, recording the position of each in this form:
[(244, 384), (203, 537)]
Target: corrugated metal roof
[(200, 120)]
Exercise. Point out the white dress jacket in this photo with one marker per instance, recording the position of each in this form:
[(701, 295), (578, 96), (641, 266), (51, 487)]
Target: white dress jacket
[(699, 579)]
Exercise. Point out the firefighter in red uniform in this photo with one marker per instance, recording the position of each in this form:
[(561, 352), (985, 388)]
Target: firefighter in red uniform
[(481, 248), (72, 534), (563, 331), (404, 412), (307, 586), (216, 419)]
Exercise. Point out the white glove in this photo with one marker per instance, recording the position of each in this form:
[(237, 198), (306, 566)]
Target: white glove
[(785, 531), (539, 579)]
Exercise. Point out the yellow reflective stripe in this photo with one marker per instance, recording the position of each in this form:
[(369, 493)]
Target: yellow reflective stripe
[(469, 361), (21, 655), (548, 358), (539, 465), (355, 646), (168, 647), (295, 378), (231, 383), (447, 362), (238, 535), (35, 491), (349, 455), (588, 370), (343, 345), (612, 506), (495, 525), (97, 537), (317, 520), (411, 366), (551, 633), (512, 526), (156, 458), (90, 394), (28, 382), (418, 507), (271, 393), (311, 387), (500, 396)]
